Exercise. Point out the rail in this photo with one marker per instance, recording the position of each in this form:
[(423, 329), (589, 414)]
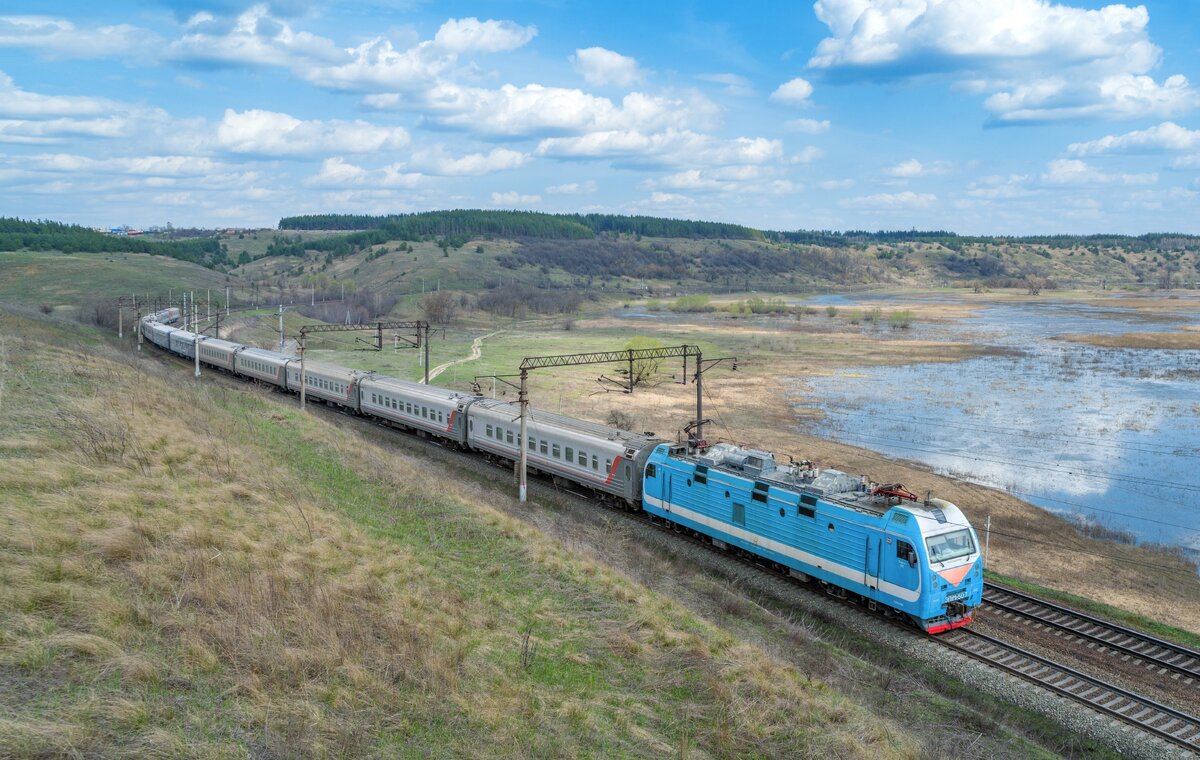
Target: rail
[(1116, 639), (1167, 723)]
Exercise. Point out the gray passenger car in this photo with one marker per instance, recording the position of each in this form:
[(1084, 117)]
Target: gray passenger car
[(219, 353), (260, 364), (158, 333), (421, 407), (328, 382), (602, 458)]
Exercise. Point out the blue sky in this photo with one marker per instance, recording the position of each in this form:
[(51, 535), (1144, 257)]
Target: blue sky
[(978, 116)]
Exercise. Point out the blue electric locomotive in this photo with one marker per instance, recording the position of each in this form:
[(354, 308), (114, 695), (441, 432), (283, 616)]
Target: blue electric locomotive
[(880, 544)]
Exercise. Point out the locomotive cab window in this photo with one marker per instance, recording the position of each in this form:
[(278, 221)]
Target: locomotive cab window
[(948, 546), (904, 551), (651, 471)]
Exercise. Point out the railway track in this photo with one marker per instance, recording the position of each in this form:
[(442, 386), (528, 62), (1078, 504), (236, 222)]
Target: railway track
[(1178, 728), (1165, 657)]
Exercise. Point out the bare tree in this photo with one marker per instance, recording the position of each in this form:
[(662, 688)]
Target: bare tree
[(440, 307)]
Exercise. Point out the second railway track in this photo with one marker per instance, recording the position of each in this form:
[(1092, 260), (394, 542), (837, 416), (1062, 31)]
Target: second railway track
[(1174, 726), (1168, 658)]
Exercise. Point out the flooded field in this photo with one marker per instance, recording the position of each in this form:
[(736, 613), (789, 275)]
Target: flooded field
[(1110, 436)]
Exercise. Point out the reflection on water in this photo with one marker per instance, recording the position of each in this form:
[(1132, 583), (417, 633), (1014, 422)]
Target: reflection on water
[(1107, 434)]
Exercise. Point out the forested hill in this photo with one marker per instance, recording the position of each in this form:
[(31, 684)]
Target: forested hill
[(463, 224), (517, 224), (22, 235)]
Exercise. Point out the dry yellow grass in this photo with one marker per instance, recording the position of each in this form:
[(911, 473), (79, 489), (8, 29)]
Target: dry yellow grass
[(1187, 339), (175, 582)]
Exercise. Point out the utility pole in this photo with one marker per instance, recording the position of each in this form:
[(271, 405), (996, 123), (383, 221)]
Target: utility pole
[(523, 400), (281, 332), (226, 301), (208, 305), (629, 356), (987, 540), (303, 376), (196, 337)]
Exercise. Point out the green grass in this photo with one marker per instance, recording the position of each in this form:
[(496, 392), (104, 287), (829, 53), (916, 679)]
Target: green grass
[(64, 281), (1090, 606)]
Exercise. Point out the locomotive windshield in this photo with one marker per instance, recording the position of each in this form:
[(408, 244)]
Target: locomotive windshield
[(948, 546)]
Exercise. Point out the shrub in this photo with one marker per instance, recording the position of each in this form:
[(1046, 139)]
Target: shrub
[(696, 303)]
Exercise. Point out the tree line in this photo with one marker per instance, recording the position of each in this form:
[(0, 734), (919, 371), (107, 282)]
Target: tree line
[(22, 235), (518, 224)]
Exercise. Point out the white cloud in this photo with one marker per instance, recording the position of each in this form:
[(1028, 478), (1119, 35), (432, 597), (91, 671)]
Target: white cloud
[(1101, 57), (904, 200), (900, 32), (49, 131), (1167, 136), (793, 92), (271, 133), (914, 168), (1067, 171), (600, 66), (58, 38), (1000, 187), (807, 155), (670, 199), (808, 126), (377, 64), (335, 172), (1121, 96), (475, 164), (155, 166), (733, 83), (837, 184), (21, 104), (670, 147), (470, 35), (513, 199), (34, 118), (690, 179), (254, 38), (535, 109), (573, 188)]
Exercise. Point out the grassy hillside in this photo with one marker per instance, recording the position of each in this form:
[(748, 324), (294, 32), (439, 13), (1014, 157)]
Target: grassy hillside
[(189, 569), (68, 280), (634, 263)]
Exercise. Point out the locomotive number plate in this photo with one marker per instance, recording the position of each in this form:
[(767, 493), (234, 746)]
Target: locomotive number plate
[(956, 595)]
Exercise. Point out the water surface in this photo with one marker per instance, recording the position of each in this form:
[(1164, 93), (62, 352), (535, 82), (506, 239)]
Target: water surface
[(1109, 435)]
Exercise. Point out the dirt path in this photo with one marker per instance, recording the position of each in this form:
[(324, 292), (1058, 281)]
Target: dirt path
[(476, 352)]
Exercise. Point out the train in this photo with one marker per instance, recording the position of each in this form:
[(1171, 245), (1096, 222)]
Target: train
[(875, 544)]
